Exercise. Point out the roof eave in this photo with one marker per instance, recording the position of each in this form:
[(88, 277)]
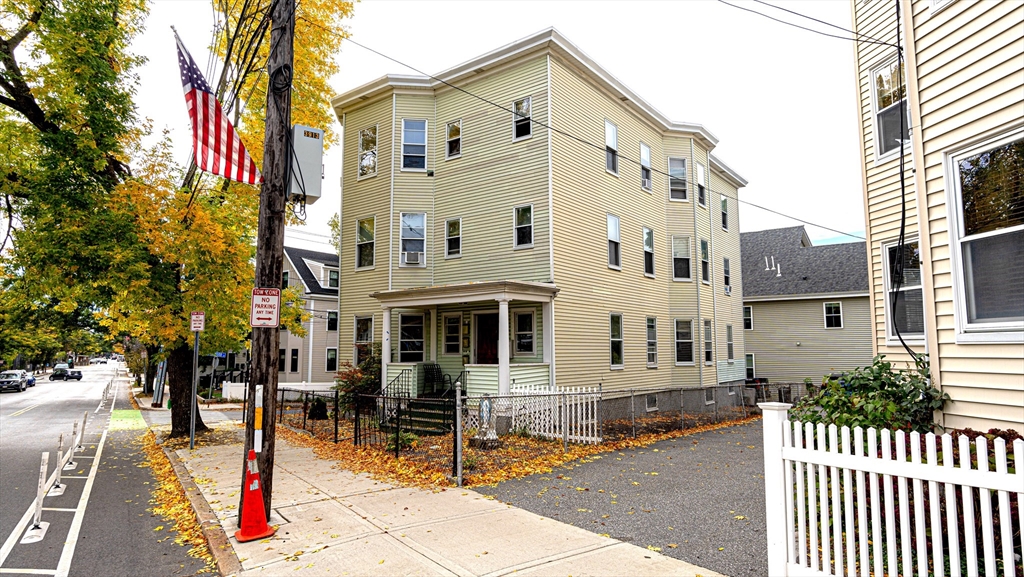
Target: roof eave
[(729, 174), (377, 87)]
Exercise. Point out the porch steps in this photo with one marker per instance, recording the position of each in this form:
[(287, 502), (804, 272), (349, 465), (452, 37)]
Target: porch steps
[(427, 417)]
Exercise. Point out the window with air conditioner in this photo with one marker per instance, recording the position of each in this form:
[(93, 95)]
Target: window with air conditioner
[(412, 239), (645, 167)]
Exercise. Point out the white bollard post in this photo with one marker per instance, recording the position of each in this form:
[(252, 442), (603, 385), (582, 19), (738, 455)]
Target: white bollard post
[(773, 417), (58, 487), (81, 432), (458, 433), (38, 528)]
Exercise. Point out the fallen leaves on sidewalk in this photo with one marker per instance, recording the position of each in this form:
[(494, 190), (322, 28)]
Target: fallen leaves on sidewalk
[(170, 502)]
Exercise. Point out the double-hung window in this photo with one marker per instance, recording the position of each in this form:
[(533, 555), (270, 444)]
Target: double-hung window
[(367, 152), (332, 278), (614, 250), (904, 301), (727, 274), (652, 342), (364, 242), (523, 226), (524, 337), (681, 269), (648, 252), (284, 280), (280, 360), (452, 336), (453, 135), (705, 262), (749, 358), (729, 348), (332, 360), (611, 147), (748, 318), (410, 338), (332, 320), (295, 361), (987, 195), (702, 196), (363, 339), (615, 339), (412, 239), (892, 128), (677, 178), (521, 123), (684, 342), (834, 315), (645, 166), (414, 144), (725, 212), (453, 237), (709, 345)]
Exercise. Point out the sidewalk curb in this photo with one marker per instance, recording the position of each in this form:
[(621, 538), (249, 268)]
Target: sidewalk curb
[(216, 538)]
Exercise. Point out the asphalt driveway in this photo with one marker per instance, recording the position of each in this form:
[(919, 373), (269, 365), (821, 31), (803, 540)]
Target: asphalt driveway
[(698, 498)]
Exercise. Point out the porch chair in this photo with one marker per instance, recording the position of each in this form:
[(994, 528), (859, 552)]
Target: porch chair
[(433, 379)]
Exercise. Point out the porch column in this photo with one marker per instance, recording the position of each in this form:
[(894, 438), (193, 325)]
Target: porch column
[(547, 315), (433, 335), (503, 368), (385, 347)]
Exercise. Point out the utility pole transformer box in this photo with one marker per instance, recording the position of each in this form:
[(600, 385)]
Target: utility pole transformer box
[(307, 164)]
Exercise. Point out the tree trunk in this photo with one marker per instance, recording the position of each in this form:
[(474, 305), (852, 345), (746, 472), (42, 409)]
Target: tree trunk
[(151, 366), (179, 376)]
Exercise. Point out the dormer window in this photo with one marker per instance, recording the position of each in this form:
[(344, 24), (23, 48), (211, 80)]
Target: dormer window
[(332, 278)]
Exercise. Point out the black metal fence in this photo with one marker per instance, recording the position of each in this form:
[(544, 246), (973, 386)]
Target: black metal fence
[(317, 412), (418, 429)]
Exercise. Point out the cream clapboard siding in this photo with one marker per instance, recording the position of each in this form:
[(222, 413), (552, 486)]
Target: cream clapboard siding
[(881, 178), (679, 221), (361, 198), (412, 191), (969, 61), (491, 177), (780, 325), (728, 308), (583, 195), (704, 220)]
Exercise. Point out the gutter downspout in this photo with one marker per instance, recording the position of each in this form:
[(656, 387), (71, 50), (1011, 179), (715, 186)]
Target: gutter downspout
[(714, 293), (696, 244)]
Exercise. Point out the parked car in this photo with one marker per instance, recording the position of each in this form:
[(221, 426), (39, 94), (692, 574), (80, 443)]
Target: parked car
[(98, 361), (59, 374), (13, 380), (61, 366), (29, 378), (73, 374)]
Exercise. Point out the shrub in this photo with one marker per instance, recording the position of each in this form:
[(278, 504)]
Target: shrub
[(874, 396), (353, 381)]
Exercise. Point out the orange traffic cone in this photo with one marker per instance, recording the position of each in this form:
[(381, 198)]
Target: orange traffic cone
[(254, 518)]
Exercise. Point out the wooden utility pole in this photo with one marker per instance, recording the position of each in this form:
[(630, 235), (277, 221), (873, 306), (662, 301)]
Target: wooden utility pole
[(270, 242)]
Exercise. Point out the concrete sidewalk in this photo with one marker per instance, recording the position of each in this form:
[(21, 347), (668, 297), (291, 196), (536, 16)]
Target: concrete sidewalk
[(334, 522)]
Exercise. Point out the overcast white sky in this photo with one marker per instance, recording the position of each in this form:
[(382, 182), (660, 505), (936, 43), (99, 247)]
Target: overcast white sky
[(781, 101)]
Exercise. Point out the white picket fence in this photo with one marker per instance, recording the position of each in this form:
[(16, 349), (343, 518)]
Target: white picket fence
[(566, 413), (833, 507)]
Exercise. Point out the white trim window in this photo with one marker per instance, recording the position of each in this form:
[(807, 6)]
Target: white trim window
[(332, 278), (414, 144), (410, 338), (453, 238), (751, 365), (725, 213), (362, 340), (726, 275), (889, 91), (709, 344), (412, 239), (365, 233), (730, 349), (452, 327), (522, 125), (367, 152), (682, 269), (611, 147), (677, 179), (748, 318), (652, 342), (615, 343), (904, 304), (453, 140), (705, 262), (614, 247), (331, 360), (645, 167), (332, 320), (525, 335), (684, 342), (523, 226), (833, 315), (987, 238), (702, 195), (648, 252)]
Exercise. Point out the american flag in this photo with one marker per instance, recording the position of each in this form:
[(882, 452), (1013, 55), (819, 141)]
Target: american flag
[(216, 145)]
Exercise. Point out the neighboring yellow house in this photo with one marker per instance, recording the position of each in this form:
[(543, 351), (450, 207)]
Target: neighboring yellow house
[(511, 219), (960, 299)]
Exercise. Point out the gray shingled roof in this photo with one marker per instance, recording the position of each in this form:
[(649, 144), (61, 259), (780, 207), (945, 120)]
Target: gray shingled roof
[(806, 269), (296, 256)]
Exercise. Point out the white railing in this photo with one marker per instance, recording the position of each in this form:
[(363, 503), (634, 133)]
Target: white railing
[(567, 413), (837, 505)]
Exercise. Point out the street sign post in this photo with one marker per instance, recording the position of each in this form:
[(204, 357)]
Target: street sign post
[(198, 324), (266, 308)]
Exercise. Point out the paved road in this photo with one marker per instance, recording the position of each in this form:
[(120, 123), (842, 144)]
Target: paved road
[(109, 531), (702, 493)]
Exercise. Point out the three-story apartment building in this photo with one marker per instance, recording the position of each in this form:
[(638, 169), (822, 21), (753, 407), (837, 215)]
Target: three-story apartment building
[(313, 358), (526, 218)]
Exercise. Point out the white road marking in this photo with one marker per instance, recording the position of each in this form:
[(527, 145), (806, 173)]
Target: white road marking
[(18, 530), (64, 566), (28, 571), (64, 509)]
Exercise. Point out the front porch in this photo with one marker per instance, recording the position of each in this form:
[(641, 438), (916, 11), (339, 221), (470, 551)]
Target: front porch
[(453, 330)]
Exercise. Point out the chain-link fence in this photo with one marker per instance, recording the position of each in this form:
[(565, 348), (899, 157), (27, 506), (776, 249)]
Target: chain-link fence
[(641, 411)]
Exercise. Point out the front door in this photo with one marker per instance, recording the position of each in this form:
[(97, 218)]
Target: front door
[(487, 339)]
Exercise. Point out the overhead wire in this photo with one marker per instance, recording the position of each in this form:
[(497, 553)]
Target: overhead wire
[(751, 10)]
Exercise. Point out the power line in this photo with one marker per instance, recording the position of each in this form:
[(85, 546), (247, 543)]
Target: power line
[(869, 41)]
